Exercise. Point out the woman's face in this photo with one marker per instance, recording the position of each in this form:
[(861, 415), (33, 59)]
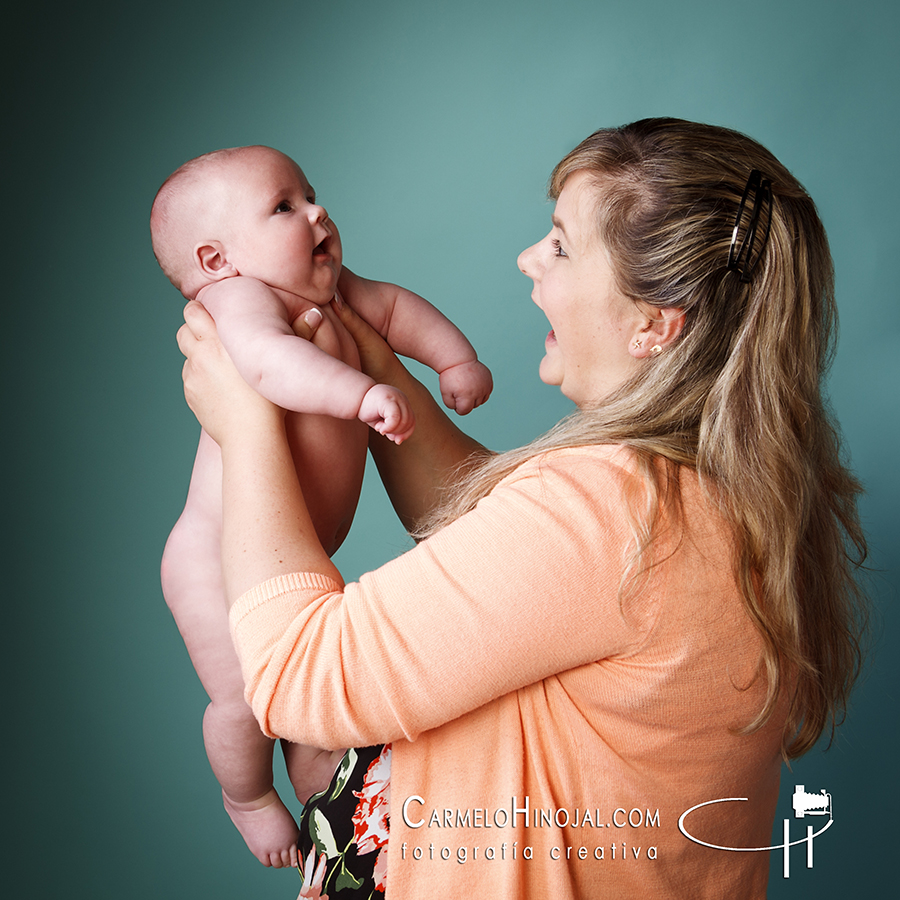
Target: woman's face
[(593, 325)]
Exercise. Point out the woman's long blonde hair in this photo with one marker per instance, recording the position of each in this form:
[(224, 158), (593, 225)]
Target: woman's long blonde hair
[(737, 397)]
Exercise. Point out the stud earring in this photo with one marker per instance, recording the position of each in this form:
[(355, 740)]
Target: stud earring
[(656, 349), (638, 343)]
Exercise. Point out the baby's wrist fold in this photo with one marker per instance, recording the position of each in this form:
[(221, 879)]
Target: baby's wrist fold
[(456, 365)]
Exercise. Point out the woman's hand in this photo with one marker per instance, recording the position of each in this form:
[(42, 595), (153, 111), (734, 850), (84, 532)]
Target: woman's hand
[(377, 359), (220, 399)]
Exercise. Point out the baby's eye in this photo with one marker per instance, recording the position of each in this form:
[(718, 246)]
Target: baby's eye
[(284, 206), (557, 249)]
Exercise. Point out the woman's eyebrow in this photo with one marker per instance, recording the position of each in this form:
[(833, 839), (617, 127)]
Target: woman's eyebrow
[(558, 223)]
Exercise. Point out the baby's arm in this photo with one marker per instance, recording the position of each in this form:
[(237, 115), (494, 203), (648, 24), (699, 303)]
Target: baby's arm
[(293, 373), (415, 328)]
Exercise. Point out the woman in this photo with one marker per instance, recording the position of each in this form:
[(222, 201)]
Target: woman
[(643, 610)]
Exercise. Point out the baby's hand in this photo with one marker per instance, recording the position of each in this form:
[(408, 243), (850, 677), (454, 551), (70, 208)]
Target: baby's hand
[(466, 386), (388, 411)]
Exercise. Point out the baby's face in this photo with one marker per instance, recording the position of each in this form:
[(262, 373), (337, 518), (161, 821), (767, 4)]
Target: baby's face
[(275, 230)]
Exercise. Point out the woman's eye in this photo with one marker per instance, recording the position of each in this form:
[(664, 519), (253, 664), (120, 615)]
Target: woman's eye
[(557, 249), (284, 206)]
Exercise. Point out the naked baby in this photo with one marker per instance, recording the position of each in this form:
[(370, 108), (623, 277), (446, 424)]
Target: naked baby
[(240, 231)]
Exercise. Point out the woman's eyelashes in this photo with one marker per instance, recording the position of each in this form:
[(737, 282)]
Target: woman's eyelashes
[(557, 248)]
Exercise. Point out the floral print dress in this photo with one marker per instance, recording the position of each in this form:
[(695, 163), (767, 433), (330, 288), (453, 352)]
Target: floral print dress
[(344, 830)]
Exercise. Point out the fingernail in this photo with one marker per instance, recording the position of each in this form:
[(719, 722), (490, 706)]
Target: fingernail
[(313, 317), (338, 300)]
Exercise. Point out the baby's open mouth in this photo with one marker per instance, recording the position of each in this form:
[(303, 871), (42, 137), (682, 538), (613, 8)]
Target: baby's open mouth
[(321, 249)]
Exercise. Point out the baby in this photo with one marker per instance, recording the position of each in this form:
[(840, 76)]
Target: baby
[(240, 231)]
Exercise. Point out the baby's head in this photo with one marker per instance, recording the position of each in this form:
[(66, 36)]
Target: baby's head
[(245, 211)]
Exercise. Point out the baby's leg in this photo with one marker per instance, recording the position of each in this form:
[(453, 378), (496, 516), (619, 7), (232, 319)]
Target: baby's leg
[(309, 769), (239, 753)]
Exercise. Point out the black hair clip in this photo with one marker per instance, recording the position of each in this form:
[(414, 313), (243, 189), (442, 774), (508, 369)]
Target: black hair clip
[(742, 259)]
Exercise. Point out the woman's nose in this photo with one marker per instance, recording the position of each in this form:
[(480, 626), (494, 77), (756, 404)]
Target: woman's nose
[(527, 261)]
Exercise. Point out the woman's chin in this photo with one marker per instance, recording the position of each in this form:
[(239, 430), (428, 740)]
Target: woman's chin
[(548, 374)]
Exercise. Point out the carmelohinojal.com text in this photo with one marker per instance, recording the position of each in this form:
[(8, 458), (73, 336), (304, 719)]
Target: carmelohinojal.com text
[(415, 815)]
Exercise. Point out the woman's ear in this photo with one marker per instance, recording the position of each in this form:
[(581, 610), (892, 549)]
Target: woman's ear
[(212, 261), (661, 328)]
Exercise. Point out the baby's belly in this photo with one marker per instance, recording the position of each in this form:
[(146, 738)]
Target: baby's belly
[(330, 458)]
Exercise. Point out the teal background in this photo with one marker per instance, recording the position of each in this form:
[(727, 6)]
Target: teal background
[(429, 131)]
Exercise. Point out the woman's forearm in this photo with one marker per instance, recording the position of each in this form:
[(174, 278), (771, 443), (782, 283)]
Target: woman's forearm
[(267, 530), (416, 472)]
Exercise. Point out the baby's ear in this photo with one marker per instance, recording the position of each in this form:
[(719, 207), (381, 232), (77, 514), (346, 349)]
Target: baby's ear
[(211, 260)]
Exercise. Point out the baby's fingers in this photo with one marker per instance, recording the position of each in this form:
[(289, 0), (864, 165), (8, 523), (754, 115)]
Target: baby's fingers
[(465, 386), (398, 422), (405, 427), (390, 417), (387, 410)]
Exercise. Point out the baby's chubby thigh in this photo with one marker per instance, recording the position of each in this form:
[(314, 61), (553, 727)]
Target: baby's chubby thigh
[(329, 453), (330, 459), (191, 575)]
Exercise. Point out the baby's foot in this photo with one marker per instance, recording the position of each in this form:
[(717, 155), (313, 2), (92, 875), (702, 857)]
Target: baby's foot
[(267, 827)]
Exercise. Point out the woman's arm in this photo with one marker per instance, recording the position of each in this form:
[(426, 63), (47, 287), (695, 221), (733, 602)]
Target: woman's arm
[(267, 530), (525, 586), (415, 472)]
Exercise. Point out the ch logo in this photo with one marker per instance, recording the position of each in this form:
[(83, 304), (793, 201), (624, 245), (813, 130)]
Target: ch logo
[(804, 805)]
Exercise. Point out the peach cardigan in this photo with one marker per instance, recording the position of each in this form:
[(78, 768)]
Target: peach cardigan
[(550, 719)]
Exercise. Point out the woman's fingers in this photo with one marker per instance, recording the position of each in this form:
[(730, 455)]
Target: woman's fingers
[(198, 325), (359, 329), (307, 325), (185, 340), (376, 357), (198, 320), (222, 401)]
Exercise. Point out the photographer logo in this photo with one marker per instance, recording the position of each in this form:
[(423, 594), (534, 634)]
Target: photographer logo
[(804, 805)]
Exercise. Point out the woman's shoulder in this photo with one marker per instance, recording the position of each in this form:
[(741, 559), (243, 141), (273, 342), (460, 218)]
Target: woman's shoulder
[(616, 462), (615, 475), (597, 479), (603, 462)]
